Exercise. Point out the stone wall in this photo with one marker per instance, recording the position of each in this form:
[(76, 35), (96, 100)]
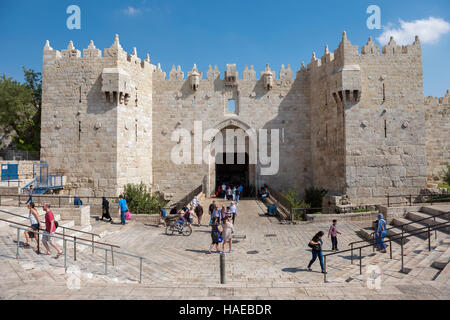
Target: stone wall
[(437, 120), (351, 122), (384, 130), (87, 131), (177, 106)]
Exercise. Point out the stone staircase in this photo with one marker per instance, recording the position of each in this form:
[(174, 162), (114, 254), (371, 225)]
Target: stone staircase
[(419, 263), (409, 224)]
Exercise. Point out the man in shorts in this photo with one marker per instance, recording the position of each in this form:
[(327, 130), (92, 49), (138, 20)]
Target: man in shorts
[(49, 232)]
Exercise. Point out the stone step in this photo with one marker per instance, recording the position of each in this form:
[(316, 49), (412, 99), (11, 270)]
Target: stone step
[(409, 227), (435, 211), (432, 221)]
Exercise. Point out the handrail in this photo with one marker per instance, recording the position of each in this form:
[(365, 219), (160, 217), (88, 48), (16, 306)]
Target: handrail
[(280, 199), (67, 228), (402, 225), (75, 242), (64, 235), (402, 237), (390, 239)]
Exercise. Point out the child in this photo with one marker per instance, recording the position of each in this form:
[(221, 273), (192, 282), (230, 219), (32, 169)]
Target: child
[(333, 232), (181, 220)]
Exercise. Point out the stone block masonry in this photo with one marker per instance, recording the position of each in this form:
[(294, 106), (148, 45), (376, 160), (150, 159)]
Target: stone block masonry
[(350, 122)]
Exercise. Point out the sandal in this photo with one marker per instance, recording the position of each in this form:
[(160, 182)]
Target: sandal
[(58, 254)]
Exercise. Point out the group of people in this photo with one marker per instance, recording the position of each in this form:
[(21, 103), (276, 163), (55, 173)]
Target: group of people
[(49, 231), (316, 243), (230, 192), (185, 215), (222, 225)]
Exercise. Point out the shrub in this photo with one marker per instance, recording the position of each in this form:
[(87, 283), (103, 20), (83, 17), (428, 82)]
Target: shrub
[(140, 199), (446, 175), (314, 196), (291, 196)]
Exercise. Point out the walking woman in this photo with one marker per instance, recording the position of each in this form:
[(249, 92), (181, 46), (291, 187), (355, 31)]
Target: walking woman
[(316, 245), (105, 210), (199, 213), (215, 234), (35, 225), (380, 233), (226, 234)]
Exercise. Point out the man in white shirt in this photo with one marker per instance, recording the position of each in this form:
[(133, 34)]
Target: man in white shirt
[(224, 190), (233, 210)]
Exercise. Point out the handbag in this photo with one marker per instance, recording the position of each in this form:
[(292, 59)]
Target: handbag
[(315, 247), (127, 215)]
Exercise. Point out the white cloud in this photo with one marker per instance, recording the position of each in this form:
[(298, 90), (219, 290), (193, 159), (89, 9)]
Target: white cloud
[(429, 31), (130, 11)]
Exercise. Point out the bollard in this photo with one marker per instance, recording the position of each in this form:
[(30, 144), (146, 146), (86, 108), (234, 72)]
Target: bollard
[(18, 242), (222, 268), (74, 248), (360, 262), (140, 270), (65, 255)]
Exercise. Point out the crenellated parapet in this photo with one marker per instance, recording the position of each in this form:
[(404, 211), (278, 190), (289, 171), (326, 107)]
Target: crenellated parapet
[(249, 75), (116, 54), (434, 101), (176, 73)]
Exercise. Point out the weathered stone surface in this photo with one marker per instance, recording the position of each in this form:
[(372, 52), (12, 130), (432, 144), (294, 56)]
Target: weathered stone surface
[(352, 123)]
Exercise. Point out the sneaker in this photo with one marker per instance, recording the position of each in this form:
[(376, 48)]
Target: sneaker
[(324, 272), (230, 251), (309, 269)]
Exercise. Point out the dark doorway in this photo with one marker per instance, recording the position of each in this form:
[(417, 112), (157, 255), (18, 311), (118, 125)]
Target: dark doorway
[(232, 173)]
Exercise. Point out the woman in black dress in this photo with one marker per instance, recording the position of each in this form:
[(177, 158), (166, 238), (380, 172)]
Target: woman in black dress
[(215, 234), (105, 210)]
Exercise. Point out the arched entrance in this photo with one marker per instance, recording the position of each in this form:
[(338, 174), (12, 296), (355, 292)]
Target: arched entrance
[(232, 164)]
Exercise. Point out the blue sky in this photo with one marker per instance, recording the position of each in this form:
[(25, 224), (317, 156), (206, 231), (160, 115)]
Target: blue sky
[(220, 32)]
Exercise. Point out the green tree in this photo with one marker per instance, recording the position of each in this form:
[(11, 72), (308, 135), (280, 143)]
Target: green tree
[(20, 108)]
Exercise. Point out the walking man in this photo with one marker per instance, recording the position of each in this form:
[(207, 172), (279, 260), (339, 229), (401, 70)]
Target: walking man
[(233, 210), (49, 232), (123, 209), (30, 194)]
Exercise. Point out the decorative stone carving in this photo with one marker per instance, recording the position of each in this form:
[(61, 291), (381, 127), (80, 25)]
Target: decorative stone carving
[(268, 77), (194, 78), (231, 75)]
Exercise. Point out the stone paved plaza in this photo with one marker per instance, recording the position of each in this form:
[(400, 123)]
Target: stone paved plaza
[(269, 263)]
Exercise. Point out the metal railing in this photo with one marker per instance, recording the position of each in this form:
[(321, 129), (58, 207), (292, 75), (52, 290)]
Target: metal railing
[(402, 227), (401, 237), (412, 199), (188, 198), (84, 244), (15, 155), (64, 235), (62, 227), (11, 180), (281, 201)]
